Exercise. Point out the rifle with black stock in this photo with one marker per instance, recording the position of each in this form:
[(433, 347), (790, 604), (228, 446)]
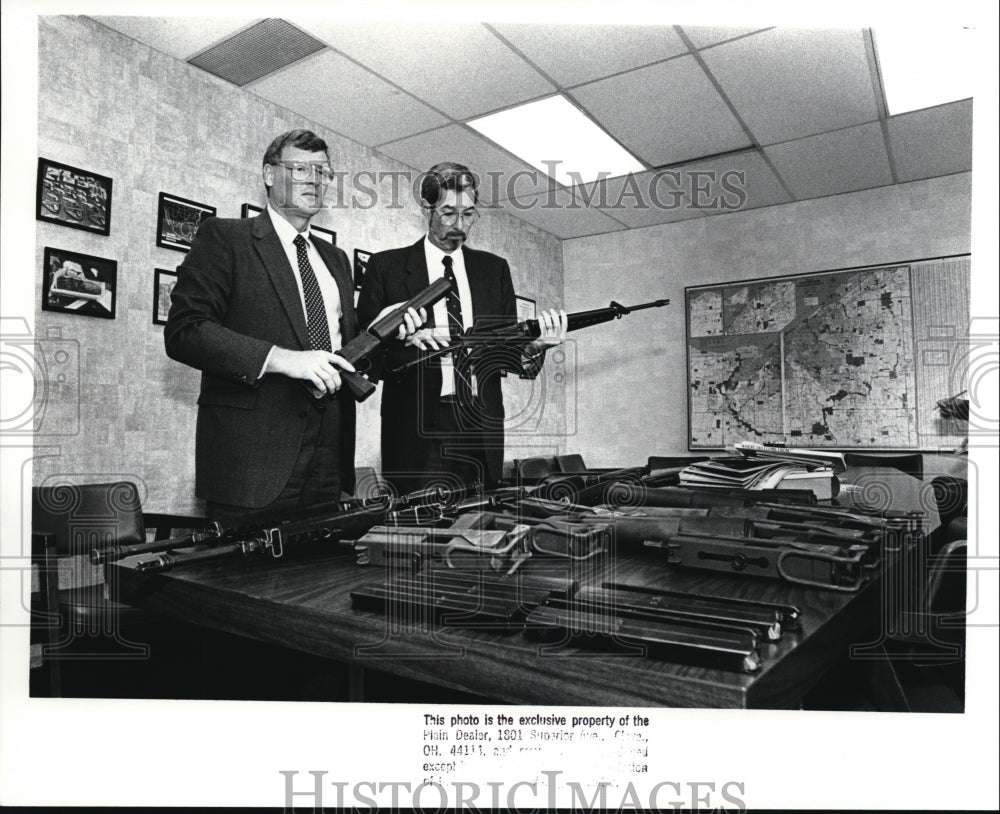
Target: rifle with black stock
[(360, 349), (480, 340), (268, 533)]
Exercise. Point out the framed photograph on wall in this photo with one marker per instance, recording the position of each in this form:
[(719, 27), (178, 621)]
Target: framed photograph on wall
[(328, 235), (360, 267), (177, 221), (526, 308), (249, 210), (163, 284), (79, 283), (73, 197)]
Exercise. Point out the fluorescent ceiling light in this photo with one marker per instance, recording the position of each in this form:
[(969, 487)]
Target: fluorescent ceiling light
[(925, 67), (558, 139)]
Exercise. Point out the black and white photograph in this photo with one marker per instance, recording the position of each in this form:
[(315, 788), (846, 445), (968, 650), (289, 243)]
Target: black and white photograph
[(640, 459), (73, 197), (177, 221), (77, 283), (163, 284)]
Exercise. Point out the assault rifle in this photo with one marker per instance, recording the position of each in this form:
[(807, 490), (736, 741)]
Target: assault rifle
[(478, 341), (267, 533), (360, 349)]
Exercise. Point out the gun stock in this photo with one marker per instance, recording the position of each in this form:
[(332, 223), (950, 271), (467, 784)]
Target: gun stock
[(360, 349)]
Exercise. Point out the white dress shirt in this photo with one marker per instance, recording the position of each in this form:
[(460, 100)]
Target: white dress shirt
[(327, 285)]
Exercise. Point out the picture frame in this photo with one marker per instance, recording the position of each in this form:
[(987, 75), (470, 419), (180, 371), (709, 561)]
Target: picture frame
[(75, 283), (177, 221), (361, 258), (328, 235), (163, 284), (69, 196), (249, 210), (526, 308)]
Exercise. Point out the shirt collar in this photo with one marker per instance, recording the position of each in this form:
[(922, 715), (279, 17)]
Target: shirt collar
[(432, 252), (286, 232)]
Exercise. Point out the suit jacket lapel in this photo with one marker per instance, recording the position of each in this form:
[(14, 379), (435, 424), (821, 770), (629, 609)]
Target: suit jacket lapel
[(482, 299), (275, 261), (416, 279)]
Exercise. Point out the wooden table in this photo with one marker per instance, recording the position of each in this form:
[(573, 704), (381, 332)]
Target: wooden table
[(302, 602)]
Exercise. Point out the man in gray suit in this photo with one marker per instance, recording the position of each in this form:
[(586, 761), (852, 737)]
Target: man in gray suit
[(261, 309)]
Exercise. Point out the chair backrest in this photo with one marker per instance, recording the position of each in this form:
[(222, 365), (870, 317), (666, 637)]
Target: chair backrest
[(88, 516), (910, 463), (570, 463), (533, 468)]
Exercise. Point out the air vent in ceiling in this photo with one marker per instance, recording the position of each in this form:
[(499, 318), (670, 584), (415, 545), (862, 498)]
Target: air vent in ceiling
[(257, 51)]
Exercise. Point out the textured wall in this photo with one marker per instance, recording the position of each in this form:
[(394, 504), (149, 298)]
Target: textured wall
[(116, 405), (629, 386)]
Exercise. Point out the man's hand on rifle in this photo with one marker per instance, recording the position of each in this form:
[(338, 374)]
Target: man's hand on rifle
[(318, 368), (430, 339), (552, 324), (412, 320)]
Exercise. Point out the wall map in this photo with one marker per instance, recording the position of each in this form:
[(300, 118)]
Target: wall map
[(836, 358)]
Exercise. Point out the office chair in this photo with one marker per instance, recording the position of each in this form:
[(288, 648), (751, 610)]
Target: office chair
[(570, 463), (81, 622), (533, 469), (910, 463)]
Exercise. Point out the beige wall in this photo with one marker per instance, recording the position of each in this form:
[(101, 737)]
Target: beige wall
[(628, 385), (115, 405)]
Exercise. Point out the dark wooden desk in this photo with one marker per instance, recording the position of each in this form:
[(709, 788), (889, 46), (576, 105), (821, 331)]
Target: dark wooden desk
[(302, 602)]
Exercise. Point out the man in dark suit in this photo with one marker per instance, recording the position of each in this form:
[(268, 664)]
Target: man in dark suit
[(442, 421), (261, 309)]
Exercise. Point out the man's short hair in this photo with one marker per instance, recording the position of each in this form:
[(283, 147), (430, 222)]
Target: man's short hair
[(303, 139), (444, 176)]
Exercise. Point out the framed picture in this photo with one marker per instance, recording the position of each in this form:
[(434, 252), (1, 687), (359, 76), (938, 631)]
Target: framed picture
[(525, 308), (360, 267), (163, 284), (177, 221), (79, 284), (249, 210), (324, 234), (72, 197)]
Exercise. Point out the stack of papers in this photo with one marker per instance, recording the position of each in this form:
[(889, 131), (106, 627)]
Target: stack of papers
[(759, 467), (818, 457)]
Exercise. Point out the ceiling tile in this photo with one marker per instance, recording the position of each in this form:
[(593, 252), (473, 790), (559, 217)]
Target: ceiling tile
[(463, 70), (501, 174), (703, 36), (557, 213), (789, 83), (831, 163), (180, 37), (643, 199), (333, 91), (664, 113), (731, 183), (574, 54), (932, 142)]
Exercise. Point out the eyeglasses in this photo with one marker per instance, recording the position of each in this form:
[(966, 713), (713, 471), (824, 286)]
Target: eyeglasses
[(306, 171), (470, 216)]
